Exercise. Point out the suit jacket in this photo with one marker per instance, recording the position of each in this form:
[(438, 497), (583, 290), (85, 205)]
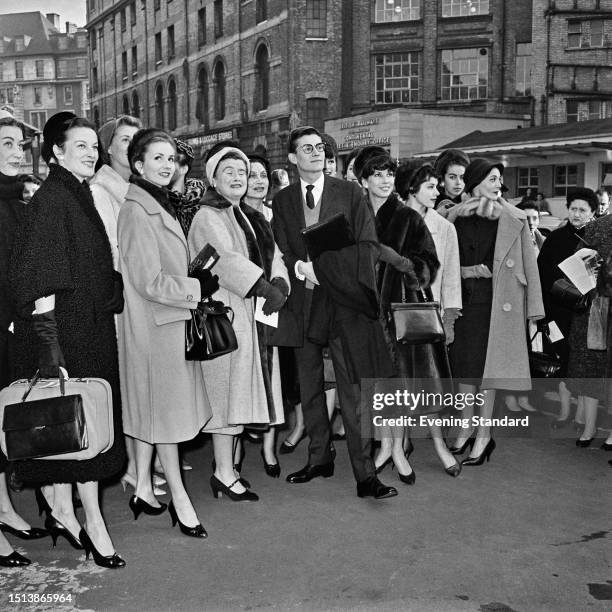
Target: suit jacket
[(288, 222)]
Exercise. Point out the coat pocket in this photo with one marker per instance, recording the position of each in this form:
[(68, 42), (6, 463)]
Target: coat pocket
[(521, 278)]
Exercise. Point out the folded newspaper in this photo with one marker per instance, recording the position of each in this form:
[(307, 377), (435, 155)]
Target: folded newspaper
[(580, 269)]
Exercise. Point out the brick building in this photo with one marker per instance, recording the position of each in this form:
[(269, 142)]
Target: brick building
[(42, 69), (572, 42), (211, 69)]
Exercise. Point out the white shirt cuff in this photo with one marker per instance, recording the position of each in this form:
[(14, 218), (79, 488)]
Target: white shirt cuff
[(298, 275)]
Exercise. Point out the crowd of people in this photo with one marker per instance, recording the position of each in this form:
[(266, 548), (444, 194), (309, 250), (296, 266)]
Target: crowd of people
[(96, 280)]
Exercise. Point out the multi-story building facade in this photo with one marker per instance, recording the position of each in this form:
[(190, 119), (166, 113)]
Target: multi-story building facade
[(572, 47)]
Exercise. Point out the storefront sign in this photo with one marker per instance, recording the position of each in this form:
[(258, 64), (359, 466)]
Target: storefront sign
[(360, 133), (210, 139)]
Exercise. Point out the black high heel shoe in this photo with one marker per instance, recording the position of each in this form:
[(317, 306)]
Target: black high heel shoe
[(410, 479), (56, 529), (243, 481), (287, 448), (41, 502), (218, 488), (460, 450), (453, 470), (34, 533), (272, 469), (383, 465), (486, 454), (14, 560), (113, 561), (195, 532), (138, 506), (584, 443)]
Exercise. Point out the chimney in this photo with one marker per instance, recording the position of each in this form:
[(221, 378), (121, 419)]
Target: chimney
[(54, 18), (71, 28)]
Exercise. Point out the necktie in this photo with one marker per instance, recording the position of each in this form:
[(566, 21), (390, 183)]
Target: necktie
[(309, 197)]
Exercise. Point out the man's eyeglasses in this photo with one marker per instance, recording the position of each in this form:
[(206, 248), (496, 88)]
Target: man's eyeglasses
[(308, 149)]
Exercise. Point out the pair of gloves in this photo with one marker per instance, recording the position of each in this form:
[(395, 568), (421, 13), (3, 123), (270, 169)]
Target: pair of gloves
[(274, 292), (208, 283), (404, 265)]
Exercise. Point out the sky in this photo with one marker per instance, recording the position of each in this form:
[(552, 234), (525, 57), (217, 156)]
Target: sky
[(68, 10)]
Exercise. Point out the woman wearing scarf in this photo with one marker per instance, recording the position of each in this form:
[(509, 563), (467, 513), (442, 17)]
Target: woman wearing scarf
[(243, 386)]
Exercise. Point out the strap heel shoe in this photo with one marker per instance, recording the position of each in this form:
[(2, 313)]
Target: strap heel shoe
[(195, 532), (34, 533), (286, 448), (56, 529), (14, 560), (218, 489), (485, 455), (138, 506), (113, 561)]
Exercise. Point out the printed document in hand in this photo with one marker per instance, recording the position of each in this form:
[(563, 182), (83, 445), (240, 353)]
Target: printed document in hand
[(271, 320), (578, 270)]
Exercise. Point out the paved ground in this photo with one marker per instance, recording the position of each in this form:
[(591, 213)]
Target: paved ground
[(528, 531)]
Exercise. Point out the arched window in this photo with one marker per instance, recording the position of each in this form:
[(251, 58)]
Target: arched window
[(135, 105), (202, 103), (262, 79), (126, 106), (219, 81), (172, 105), (159, 106)]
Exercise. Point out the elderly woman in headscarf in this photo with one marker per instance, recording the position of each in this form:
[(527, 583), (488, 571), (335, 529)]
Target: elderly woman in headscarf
[(243, 386)]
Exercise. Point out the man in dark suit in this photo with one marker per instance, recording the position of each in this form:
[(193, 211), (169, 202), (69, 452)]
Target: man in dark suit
[(314, 198)]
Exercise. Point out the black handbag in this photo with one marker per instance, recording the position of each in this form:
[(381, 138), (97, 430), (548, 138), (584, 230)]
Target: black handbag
[(209, 332), (545, 364), (564, 293), (44, 427), (417, 322)]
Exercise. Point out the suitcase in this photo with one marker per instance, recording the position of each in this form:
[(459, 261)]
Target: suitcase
[(97, 403)]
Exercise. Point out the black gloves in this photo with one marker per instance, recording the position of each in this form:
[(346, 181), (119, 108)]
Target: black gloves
[(50, 356), (275, 297), (115, 304), (208, 283)]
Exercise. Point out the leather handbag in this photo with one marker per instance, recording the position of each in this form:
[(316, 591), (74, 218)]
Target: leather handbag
[(564, 293), (417, 322), (546, 363), (209, 332), (77, 425)]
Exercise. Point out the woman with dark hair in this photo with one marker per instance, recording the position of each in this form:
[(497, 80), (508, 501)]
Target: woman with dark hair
[(450, 167), (408, 262), (559, 245), (66, 293), (243, 386), (164, 398), (500, 291), (349, 173)]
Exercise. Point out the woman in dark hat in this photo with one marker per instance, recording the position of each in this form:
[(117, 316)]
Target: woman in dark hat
[(500, 291), (66, 294)]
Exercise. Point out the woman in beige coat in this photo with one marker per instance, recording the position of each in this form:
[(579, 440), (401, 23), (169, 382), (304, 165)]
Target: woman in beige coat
[(243, 386), (164, 397)]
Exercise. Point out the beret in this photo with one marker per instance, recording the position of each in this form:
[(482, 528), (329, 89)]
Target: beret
[(477, 171)]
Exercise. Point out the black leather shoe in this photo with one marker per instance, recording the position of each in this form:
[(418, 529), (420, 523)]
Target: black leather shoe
[(309, 472), (372, 487), (584, 443), (34, 533), (607, 447), (14, 560)]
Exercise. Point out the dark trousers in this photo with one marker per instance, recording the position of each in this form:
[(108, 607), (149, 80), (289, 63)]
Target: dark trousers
[(310, 372)]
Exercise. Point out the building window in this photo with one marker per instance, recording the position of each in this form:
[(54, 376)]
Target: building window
[(134, 61), (524, 62), (10, 95), (261, 11), (527, 178), (1, 71), (94, 80), (133, 14), (38, 95), (171, 49), (125, 106), (40, 69), (585, 110), (38, 119), (316, 18), (159, 106), (262, 79), (219, 82), (19, 70), (158, 49), (397, 78), (172, 105), (201, 111), (123, 20), (67, 94), (465, 74), (81, 67), (202, 27), (564, 177), (124, 66), (156, 5), (218, 18), (397, 10), (135, 105), (585, 34), (93, 40), (464, 8), (316, 112)]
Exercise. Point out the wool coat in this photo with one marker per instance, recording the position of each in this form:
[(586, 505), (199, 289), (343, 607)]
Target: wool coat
[(164, 396), (62, 249), (234, 382), (517, 296)]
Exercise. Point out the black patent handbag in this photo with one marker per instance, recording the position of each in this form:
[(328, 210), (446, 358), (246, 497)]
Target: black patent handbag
[(546, 363), (209, 332)]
